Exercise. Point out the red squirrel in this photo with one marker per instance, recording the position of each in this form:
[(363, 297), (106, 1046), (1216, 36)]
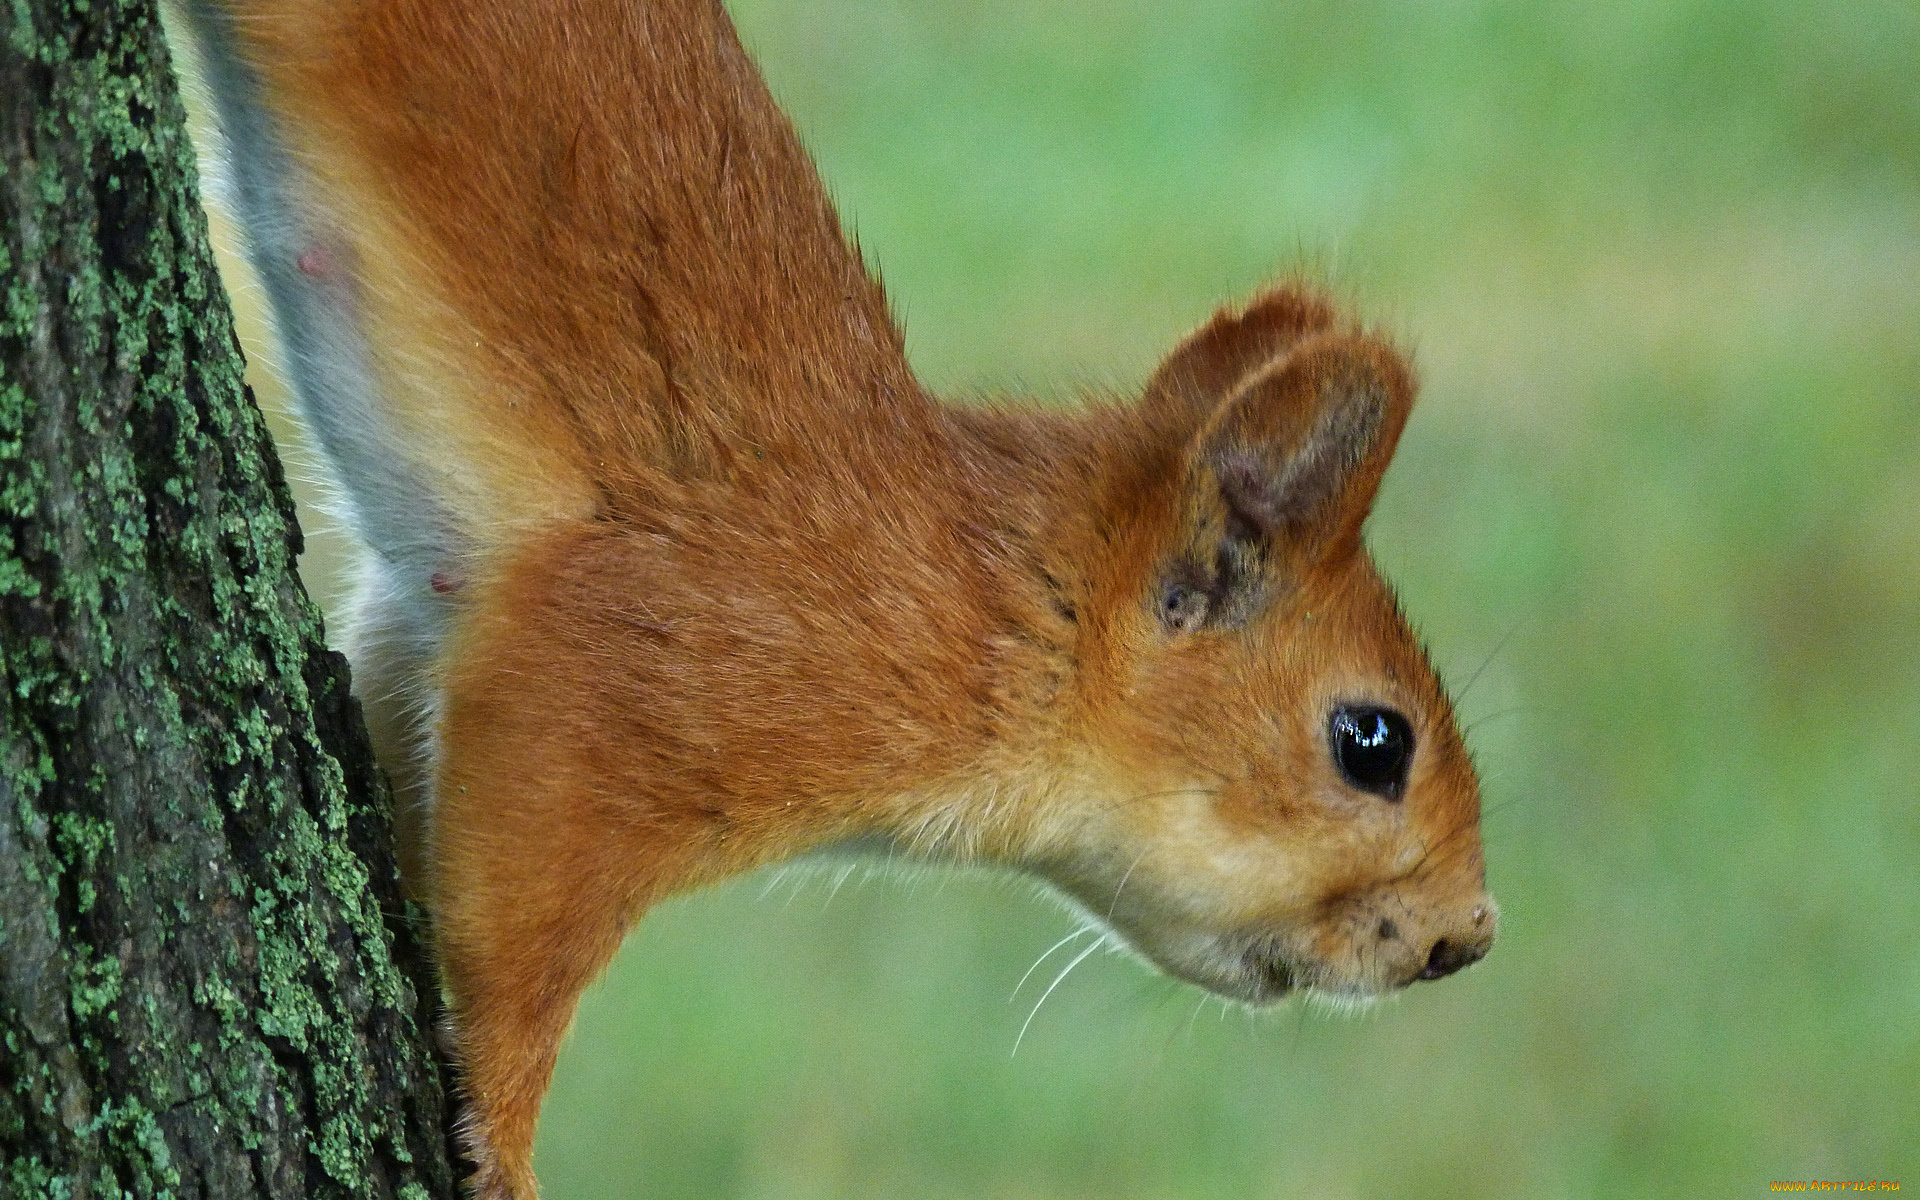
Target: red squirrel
[(674, 570)]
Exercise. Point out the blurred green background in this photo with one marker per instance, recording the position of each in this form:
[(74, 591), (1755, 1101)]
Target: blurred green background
[(1660, 263)]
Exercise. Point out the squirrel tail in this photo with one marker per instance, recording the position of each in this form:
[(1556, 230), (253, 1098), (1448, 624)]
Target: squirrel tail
[(534, 265), (368, 351), (436, 466)]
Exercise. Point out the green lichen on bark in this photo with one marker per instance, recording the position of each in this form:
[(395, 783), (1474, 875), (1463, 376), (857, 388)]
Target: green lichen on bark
[(208, 983)]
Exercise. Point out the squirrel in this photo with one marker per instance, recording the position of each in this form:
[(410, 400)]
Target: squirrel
[(673, 569)]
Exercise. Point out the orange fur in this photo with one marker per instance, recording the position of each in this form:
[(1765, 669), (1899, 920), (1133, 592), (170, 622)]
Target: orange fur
[(731, 585)]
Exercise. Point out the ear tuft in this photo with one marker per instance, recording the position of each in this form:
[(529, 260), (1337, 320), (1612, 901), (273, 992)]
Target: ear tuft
[(1296, 454), (1214, 360), (1289, 422)]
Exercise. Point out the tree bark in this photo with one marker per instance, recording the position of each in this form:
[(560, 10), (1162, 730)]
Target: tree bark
[(209, 985)]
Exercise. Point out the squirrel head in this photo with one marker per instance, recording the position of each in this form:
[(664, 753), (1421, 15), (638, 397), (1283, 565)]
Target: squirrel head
[(1268, 789)]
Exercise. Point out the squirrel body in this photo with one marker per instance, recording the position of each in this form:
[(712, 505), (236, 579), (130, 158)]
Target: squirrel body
[(674, 569)]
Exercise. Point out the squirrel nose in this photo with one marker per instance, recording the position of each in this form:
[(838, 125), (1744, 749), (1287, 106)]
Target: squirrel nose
[(1448, 956)]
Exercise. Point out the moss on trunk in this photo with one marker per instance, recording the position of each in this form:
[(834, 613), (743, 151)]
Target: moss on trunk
[(208, 983)]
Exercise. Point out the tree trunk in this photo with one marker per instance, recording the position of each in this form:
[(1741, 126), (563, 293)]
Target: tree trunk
[(209, 985)]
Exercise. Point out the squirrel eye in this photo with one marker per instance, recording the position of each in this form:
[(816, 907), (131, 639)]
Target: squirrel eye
[(1373, 747)]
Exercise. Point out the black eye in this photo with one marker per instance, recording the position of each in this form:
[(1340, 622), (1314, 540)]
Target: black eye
[(1373, 747)]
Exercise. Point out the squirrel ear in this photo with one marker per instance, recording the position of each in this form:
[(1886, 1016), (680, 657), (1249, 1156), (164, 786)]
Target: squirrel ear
[(1282, 475), (1297, 453), (1213, 360)]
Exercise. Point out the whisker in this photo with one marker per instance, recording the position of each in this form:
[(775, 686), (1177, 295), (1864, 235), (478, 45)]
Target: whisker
[(1115, 902), (1194, 1016), (1143, 797), (1082, 957), (1477, 722), (839, 881), (1419, 868), (1299, 1028), (1503, 806), (1486, 662), (1044, 956), (1428, 863), (775, 881)]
